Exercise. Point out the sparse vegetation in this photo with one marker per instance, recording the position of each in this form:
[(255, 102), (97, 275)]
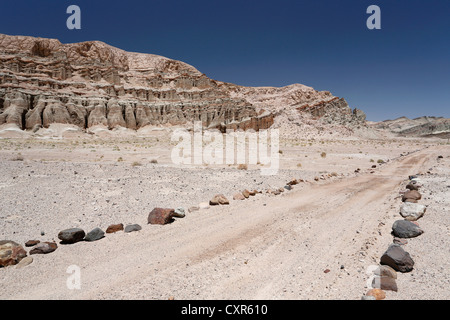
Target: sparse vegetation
[(242, 166), (136, 164)]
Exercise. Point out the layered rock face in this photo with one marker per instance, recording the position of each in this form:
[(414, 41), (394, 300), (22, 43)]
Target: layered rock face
[(43, 81), (418, 127)]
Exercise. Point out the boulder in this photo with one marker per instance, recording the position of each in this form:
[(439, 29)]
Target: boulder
[(293, 182), (71, 235), (114, 228), (161, 216), (288, 187), (132, 227), (246, 193), (411, 195), (44, 248), (94, 235), (11, 253), (397, 258), (218, 199), (238, 196), (406, 229), (412, 211)]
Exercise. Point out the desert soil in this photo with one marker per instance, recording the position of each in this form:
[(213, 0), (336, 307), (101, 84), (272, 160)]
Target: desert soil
[(265, 247)]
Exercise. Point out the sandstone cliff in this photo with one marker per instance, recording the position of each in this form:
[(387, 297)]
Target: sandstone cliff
[(43, 81)]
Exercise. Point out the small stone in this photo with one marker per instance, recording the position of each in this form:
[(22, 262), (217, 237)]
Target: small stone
[(288, 187), (238, 196), (203, 205), (31, 243), (377, 293), (400, 241), (326, 270), (246, 193), (24, 262), (72, 235), (413, 195), (385, 271), (385, 283), (194, 208), (114, 228), (94, 235), (179, 213), (132, 227), (368, 298), (44, 248), (218, 199)]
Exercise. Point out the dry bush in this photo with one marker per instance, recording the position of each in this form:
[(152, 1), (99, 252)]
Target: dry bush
[(242, 166)]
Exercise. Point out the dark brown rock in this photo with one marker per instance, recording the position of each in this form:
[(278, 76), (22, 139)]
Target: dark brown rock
[(44, 248), (161, 216), (411, 195), (114, 228), (31, 243)]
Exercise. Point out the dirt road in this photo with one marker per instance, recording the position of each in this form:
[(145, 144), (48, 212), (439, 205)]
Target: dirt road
[(266, 247)]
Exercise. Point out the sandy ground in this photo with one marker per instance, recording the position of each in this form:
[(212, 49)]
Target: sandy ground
[(265, 247)]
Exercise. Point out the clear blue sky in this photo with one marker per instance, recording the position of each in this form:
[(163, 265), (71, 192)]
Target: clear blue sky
[(402, 69)]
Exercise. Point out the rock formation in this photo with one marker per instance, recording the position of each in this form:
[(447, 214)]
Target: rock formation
[(43, 81)]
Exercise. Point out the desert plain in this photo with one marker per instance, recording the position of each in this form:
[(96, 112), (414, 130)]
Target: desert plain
[(315, 241)]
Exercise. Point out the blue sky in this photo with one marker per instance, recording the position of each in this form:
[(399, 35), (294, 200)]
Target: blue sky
[(401, 70)]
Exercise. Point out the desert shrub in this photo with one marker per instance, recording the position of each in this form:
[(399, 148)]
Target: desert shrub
[(380, 161), (19, 157), (136, 164), (242, 166), (154, 161), (120, 159), (323, 154)]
